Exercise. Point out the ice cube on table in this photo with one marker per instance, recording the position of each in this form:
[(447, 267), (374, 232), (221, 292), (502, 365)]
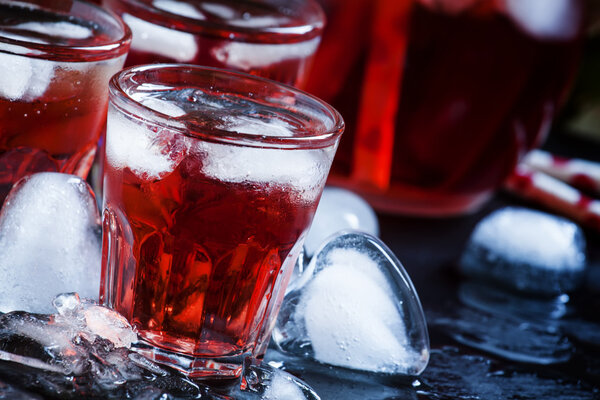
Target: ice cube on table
[(526, 250), (355, 307), (50, 242), (70, 355), (63, 342), (267, 383), (339, 209)]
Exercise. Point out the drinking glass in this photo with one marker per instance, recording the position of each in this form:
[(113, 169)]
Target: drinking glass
[(56, 58), (212, 178), (275, 39)]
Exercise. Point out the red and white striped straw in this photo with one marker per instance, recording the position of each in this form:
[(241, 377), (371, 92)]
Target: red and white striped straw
[(554, 194), (582, 174)]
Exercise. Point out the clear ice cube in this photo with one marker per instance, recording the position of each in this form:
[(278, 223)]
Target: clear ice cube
[(355, 307), (50, 242), (526, 250)]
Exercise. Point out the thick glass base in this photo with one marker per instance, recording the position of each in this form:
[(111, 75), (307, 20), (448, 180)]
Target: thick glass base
[(210, 369)]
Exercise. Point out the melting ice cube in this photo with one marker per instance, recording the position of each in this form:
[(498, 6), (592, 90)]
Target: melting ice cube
[(268, 383), (339, 209), (24, 78), (62, 29), (162, 106), (526, 250), (148, 37), (148, 154), (222, 11), (179, 8), (355, 307), (302, 170), (246, 56), (83, 352), (49, 241)]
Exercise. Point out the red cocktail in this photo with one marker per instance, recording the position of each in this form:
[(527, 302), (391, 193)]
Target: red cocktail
[(211, 181), (56, 58), (275, 39), (443, 97)]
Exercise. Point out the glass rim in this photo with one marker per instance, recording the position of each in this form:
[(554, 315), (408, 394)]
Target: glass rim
[(119, 98), (102, 51), (223, 29)]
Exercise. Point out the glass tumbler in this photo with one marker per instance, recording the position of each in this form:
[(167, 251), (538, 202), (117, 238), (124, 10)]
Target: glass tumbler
[(56, 58), (212, 178), (274, 39)]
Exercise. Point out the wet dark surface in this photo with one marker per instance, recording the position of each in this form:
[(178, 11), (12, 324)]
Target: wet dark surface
[(486, 344)]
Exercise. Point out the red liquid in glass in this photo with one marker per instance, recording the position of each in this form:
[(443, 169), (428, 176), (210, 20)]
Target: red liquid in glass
[(57, 128), (446, 101), (285, 59), (200, 261)]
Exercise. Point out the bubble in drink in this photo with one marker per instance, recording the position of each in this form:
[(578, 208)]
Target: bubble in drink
[(54, 72)]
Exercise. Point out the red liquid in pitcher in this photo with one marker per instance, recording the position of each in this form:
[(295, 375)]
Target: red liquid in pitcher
[(51, 111), (476, 85)]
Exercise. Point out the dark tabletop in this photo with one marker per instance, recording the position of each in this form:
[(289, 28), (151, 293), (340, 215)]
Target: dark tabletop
[(463, 368)]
